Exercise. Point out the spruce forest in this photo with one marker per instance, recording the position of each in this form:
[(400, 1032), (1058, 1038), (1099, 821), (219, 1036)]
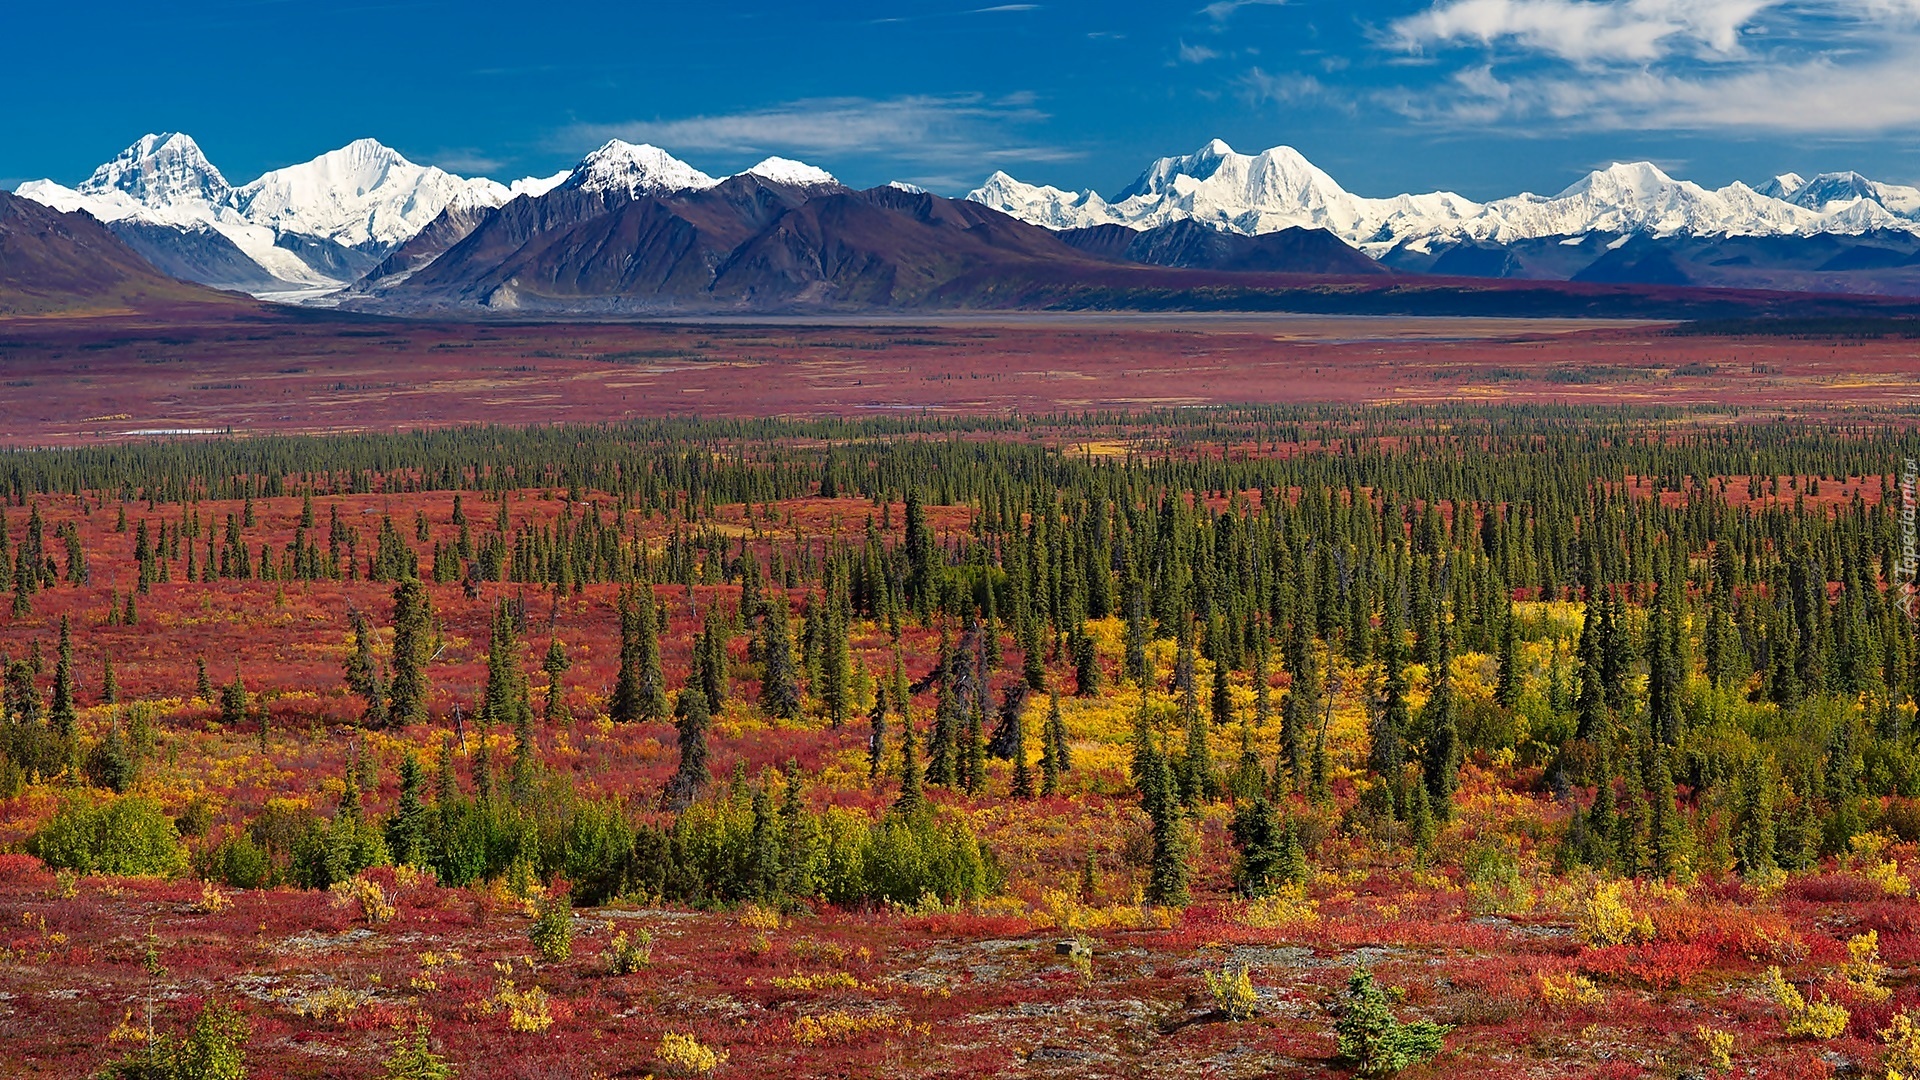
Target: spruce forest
[(1533, 741)]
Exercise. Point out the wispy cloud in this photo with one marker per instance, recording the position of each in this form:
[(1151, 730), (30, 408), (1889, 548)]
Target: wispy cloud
[(1820, 97), (1196, 54), (1837, 68), (467, 161), (1588, 30), (929, 134), (1222, 10), (1259, 87)]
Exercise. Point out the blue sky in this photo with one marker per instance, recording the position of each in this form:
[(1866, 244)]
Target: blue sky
[(1484, 97)]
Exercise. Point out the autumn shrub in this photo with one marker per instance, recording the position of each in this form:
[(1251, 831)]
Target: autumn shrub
[(1372, 1040), (365, 895), (1233, 992), (684, 1055), (1902, 1037), (528, 1011), (128, 835), (1717, 1044), (1286, 908), (1603, 918), (1822, 1019), (839, 1027), (1863, 969), (214, 1048), (552, 929), (627, 953), (1567, 990)]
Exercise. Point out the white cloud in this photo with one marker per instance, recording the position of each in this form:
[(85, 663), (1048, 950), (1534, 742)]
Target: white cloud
[(1818, 96), (1196, 54), (1588, 30), (1845, 68), (938, 132)]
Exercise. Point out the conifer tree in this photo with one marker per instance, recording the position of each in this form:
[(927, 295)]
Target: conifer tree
[(62, 716), (412, 651), (1440, 760), (363, 673), (876, 735), (1022, 787), (693, 774), (1506, 691), (836, 664), (1168, 871), (779, 680), (407, 829), (639, 693), (1390, 723), (1055, 758), (555, 664), (909, 800)]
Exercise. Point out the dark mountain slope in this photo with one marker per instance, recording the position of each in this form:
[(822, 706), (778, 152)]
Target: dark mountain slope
[(55, 263)]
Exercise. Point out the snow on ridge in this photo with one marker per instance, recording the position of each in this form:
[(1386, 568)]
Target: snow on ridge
[(788, 171), (1279, 188)]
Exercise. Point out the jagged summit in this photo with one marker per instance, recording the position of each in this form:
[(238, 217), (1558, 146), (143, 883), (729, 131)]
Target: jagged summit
[(635, 169), (159, 169)]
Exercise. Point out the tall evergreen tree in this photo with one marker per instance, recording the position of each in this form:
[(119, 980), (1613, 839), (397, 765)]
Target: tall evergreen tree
[(693, 774), (779, 679), (1440, 759), (412, 651)]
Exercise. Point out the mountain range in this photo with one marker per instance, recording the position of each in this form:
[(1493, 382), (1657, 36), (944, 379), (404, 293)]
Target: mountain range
[(632, 229), (1839, 232)]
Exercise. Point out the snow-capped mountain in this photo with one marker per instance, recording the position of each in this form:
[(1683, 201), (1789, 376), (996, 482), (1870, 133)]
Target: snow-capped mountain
[(635, 170), (1279, 189), (796, 173), (314, 225)]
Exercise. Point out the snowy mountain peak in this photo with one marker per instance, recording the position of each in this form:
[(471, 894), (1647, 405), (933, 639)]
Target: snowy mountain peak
[(1639, 179), (916, 189), (159, 170), (635, 170), (788, 171), (1784, 186)]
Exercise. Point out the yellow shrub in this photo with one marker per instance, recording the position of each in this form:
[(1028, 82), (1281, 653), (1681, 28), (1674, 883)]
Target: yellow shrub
[(831, 980), (1568, 990), (844, 1027), (1603, 918), (1718, 1045), (1286, 908), (683, 1055), (335, 1002), (212, 899), (1863, 969), (1821, 1019), (1233, 993), (527, 1009), (1902, 1037), (755, 917), (367, 895)]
